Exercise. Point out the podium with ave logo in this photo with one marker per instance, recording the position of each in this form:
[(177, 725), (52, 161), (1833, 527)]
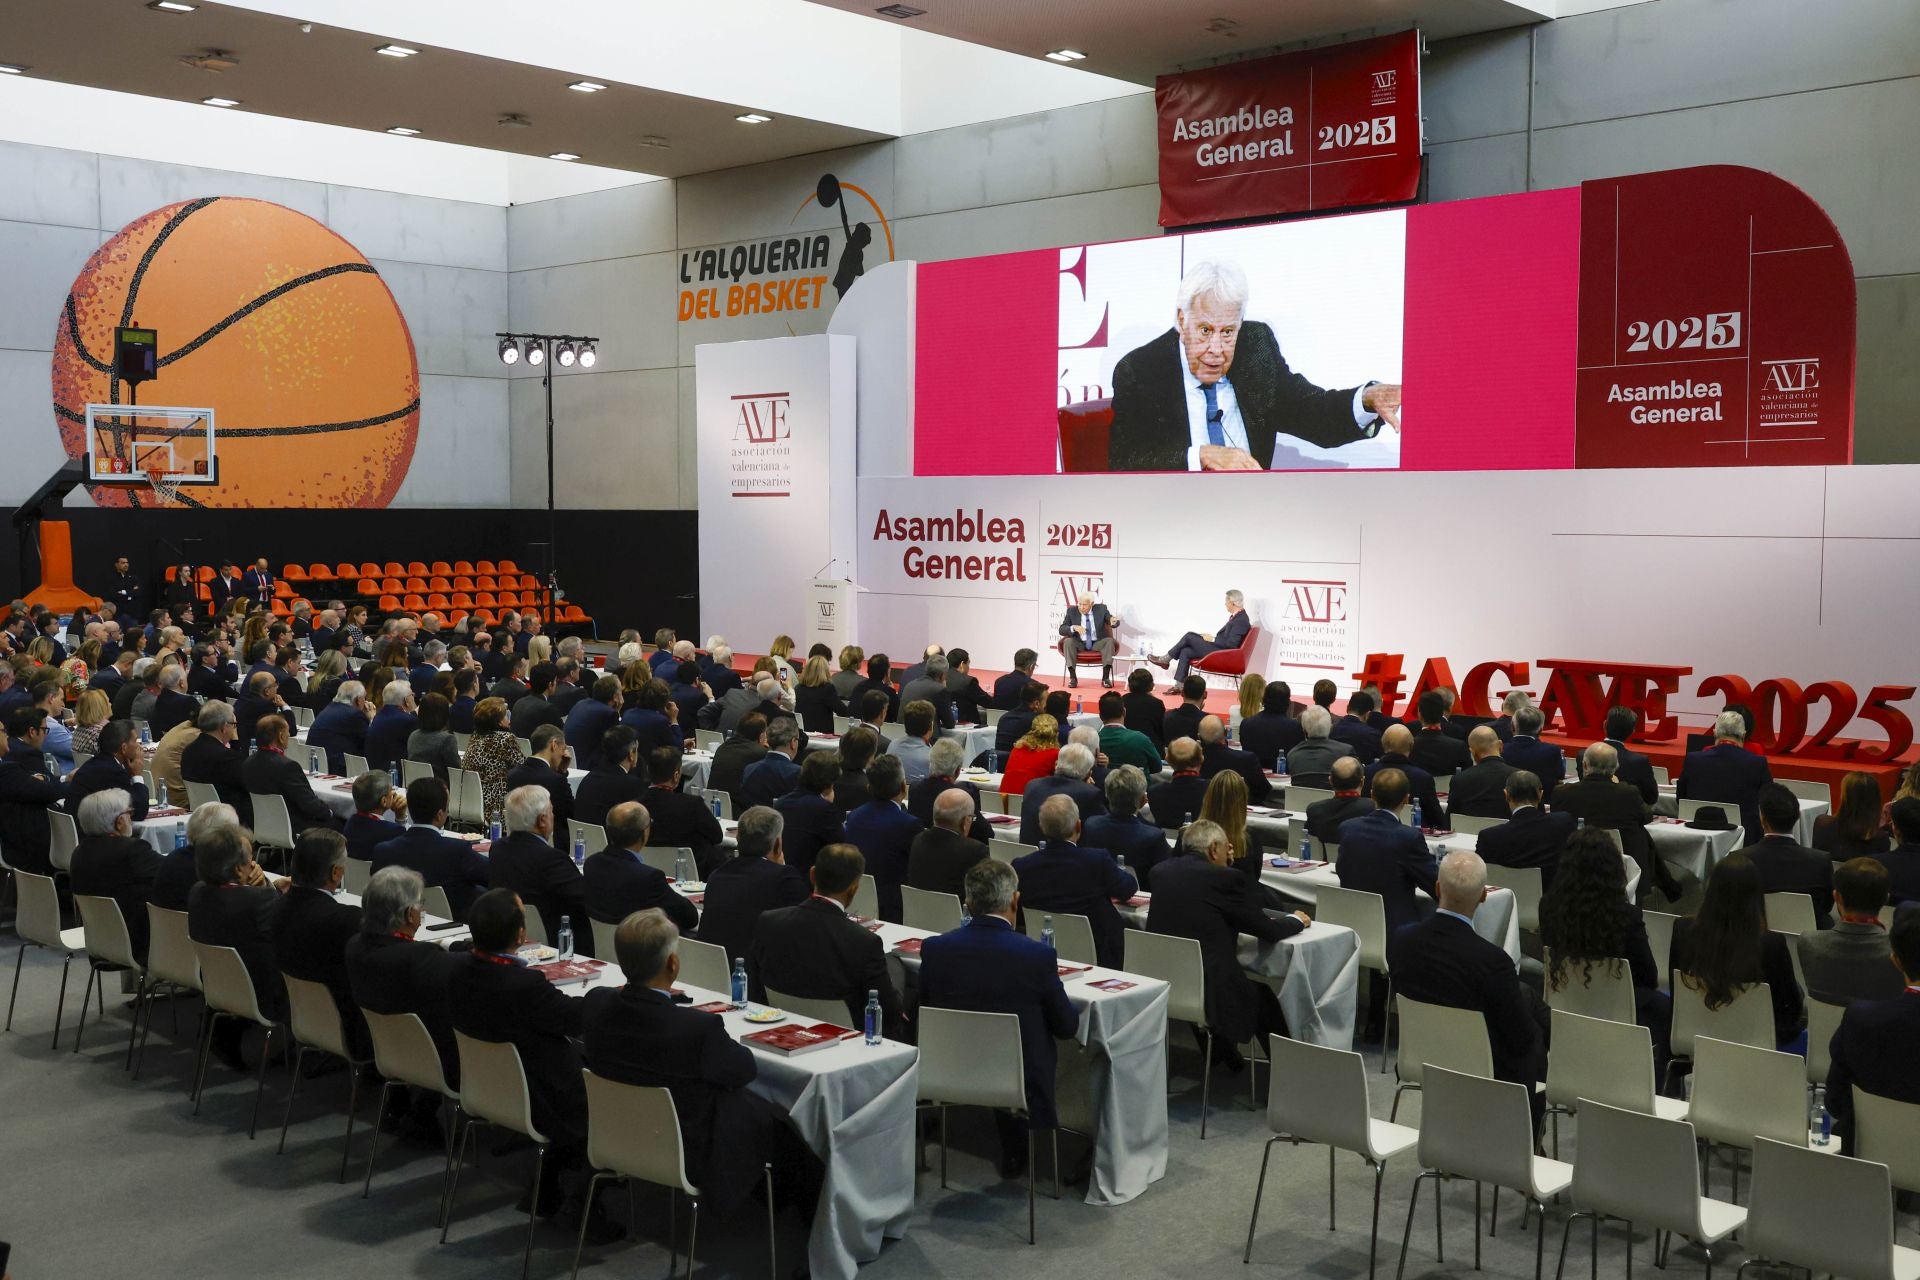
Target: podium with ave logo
[(832, 606)]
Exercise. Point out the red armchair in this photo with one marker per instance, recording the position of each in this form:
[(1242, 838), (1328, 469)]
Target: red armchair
[(1083, 435)]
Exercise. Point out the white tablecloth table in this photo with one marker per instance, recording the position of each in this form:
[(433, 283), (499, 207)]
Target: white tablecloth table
[(162, 829), (1686, 849), (336, 792), (1496, 920), (973, 739)]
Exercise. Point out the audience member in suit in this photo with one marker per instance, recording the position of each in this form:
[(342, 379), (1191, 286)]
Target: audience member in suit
[(1636, 770), (1217, 757), (511, 684), (116, 765), (1877, 1043), (988, 966), (1531, 837), (1184, 720), (654, 717), (915, 747), (1443, 961), (1850, 962), (374, 798), (1143, 712), (1728, 772), (261, 698), (1072, 777), (1434, 749), (1272, 731), (1313, 756), (1062, 876), (526, 861), (212, 675), (1587, 922), (617, 779), (442, 860), (636, 1034), (1524, 750), (1381, 854), (1601, 800), (268, 772), (234, 905), (970, 701), (815, 699), (1121, 745), (178, 873), (1174, 802), (884, 832), (878, 669), (1122, 830), (390, 971), (1422, 791), (546, 767), (689, 693), (213, 758), (1200, 894), (812, 821), (1725, 947), (755, 880), (858, 748), (776, 772), (1353, 729), (130, 700), (590, 719), (1785, 865), (111, 862), (1015, 724), (1479, 790), (619, 882), (535, 709), (931, 689), (1324, 817), (1854, 829), (1195, 644), (940, 856), (811, 950), (340, 728), (719, 674), (681, 821), (567, 689), (310, 936), (1903, 860), (174, 703), (433, 742), (1010, 690), (732, 758), (944, 762)]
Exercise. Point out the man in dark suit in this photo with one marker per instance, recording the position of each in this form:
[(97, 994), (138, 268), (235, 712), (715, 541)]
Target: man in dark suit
[(117, 764), (1176, 801), (1324, 817), (534, 709), (1064, 877), (340, 727), (1531, 837), (223, 587), (755, 880), (931, 689), (268, 772), (1088, 627), (546, 767), (878, 669), (369, 826), (940, 856), (812, 821), (173, 704), (678, 820), (1272, 731), (859, 746), (1217, 757), (392, 725), (1312, 757), (310, 936), (214, 759), (234, 905), (1851, 961), (1184, 720), (544, 877), (1014, 724), (988, 966), (1127, 829), (619, 883), (1602, 801), (883, 831), (112, 678), (567, 689), (1479, 790), (260, 696), (1903, 860), (1353, 729), (111, 862), (1072, 777), (1878, 1040), (944, 762), (1443, 961), (212, 675), (1381, 854), (1421, 792), (1200, 894), (1785, 865), (637, 1035), (1524, 750), (1010, 690), (590, 719), (390, 971), (1636, 770), (811, 950), (740, 752), (1434, 748), (1145, 713), (443, 860), (970, 701), (773, 773), (1196, 644), (256, 584), (1728, 772), (512, 684), (617, 779)]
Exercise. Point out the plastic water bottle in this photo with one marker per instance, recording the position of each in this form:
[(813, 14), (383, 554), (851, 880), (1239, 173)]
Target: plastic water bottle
[(564, 942), (313, 765), (1280, 765), (53, 766), (1822, 1119), (179, 838), (1416, 815), (739, 1000), (1046, 932), (493, 828), (579, 850), (1579, 824), (873, 1017), (684, 869), (393, 775), (1306, 846), (715, 802), (146, 736)]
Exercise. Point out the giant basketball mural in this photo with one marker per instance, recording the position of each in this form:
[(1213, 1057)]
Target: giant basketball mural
[(272, 320)]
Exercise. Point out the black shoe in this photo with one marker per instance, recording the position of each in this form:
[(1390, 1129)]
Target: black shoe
[(1106, 679), (1073, 681), (1228, 1056)]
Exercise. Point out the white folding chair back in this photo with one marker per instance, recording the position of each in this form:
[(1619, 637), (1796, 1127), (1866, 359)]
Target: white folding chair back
[(525, 745), (199, 793), (272, 824), (1433, 1035), (702, 964), (1805, 790), (1791, 913), (603, 939), (493, 1085), (1601, 1060), (1325, 1100), (1594, 989), (866, 899), (1467, 825), (634, 1131), (1825, 1213), (80, 759), (65, 837), (1644, 1169), (1010, 803), (1001, 850), (359, 871), (708, 739), (812, 1008), (170, 953), (1072, 935), (929, 910), (1748, 1020), (1823, 1020), (592, 835), (1298, 798), (1364, 913), (1175, 961), (1889, 1132), (726, 803), (537, 930), (226, 984), (1661, 775), (403, 1051), (1479, 1128), (105, 930), (467, 797), (1740, 1093), (662, 858), (1526, 886), (842, 725), (460, 741), (893, 731), (991, 716), (313, 1016), (434, 902), (971, 1059), (1296, 835), (1660, 942), (413, 770), (356, 765)]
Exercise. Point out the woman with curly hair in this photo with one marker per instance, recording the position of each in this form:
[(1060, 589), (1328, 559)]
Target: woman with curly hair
[(1725, 947), (492, 752), (1588, 923), (1033, 756)]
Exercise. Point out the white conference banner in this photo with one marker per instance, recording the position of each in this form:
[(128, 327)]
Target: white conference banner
[(775, 457)]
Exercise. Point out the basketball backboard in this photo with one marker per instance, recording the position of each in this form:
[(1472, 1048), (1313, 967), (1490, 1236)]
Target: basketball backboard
[(134, 444)]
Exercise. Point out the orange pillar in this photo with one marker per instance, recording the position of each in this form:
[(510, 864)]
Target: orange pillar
[(57, 590)]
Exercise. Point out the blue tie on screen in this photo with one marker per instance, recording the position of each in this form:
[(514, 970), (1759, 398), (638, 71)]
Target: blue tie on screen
[(1211, 390)]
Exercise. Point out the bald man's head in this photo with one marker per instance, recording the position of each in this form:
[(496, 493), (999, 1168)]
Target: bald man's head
[(1397, 739), (1483, 742), (1211, 730)]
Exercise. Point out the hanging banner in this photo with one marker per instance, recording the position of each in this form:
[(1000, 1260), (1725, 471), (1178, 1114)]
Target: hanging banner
[(1328, 128)]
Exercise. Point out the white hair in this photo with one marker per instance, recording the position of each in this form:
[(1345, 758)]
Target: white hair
[(1316, 722), (209, 818), (1514, 701), (1220, 282), (99, 811), (1075, 761), (1463, 874), (525, 805), (350, 691), (629, 653), (174, 677), (1085, 735), (720, 654), (1236, 597), (396, 693), (715, 642), (1730, 724)]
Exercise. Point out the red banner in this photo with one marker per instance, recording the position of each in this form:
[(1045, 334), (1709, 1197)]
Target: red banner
[(1320, 129)]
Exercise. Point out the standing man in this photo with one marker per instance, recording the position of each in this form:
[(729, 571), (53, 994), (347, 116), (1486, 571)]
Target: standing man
[(1088, 626), (124, 590), (1196, 644), (256, 584)]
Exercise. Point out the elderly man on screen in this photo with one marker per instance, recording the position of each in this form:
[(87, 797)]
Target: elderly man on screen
[(1213, 393)]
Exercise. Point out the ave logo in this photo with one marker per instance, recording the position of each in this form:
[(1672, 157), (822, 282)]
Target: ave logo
[(1319, 602), (1791, 375), (763, 417), (1074, 585)]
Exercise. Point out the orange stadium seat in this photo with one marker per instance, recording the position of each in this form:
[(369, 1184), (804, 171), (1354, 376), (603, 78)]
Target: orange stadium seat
[(460, 600), (279, 608), (507, 566), (462, 582), (463, 567), (438, 583), (456, 619), (484, 566), (345, 571), (415, 603), (438, 602), (283, 589), (484, 615), (389, 604), (440, 569), (509, 599), (319, 573), (416, 569), (172, 571), (367, 587), (205, 573), (485, 582), (529, 583), (486, 600), (416, 584), (294, 573), (368, 569)]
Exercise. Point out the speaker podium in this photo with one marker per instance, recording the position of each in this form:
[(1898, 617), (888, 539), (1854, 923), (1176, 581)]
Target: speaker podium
[(832, 606)]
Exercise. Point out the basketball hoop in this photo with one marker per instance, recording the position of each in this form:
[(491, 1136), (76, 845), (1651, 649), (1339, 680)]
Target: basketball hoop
[(164, 485)]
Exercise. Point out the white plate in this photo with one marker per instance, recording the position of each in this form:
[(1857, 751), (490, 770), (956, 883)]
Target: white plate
[(766, 1015), (691, 886)]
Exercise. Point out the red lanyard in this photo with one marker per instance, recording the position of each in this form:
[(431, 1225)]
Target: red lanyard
[(490, 958)]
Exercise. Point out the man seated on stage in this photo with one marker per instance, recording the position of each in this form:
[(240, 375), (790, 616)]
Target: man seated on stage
[(1197, 645), (1088, 626)]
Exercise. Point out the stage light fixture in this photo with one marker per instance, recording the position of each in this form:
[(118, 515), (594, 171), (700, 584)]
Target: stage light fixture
[(562, 155), (220, 102), (509, 352), (12, 69), (565, 354), (586, 86), (536, 354), (396, 51), (1067, 55), (401, 131), (588, 356), (753, 117)]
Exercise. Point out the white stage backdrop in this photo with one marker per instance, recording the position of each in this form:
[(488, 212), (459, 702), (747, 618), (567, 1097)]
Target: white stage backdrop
[(775, 423)]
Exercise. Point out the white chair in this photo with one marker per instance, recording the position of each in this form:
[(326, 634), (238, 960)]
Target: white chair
[(893, 731), (493, 1091), (172, 962), (460, 741), (708, 739), (1596, 989), (1178, 963), (272, 824), (1791, 913), (404, 1054), (1298, 798), (866, 899), (199, 793), (109, 950), (662, 858), (536, 925), (1641, 1169), (1072, 935), (1823, 1020), (1004, 850), (603, 939), (229, 991), (412, 771), (1888, 1132), (434, 902), (1598, 1060), (1326, 1101), (991, 716), (812, 1008), (314, 1020), (1010, 803), (1747, 1020), (37, 921), (703, 965), (1741, 1093), (526, 746), (725, 801), (1825, 1213), (356, 765), (841, 726), (928, 910), (1660, 942), (466, 798), (975, 1060), (64, 838), (359, 871), (1482, 1129), (634, 1132), (1526, 886), (1806, 790), (1365, 914), (1434, 1035), (1661, 775), (1466, 824)]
